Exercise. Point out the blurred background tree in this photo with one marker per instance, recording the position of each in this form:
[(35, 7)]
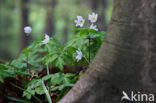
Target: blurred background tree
[(54, 17), (24, 15)]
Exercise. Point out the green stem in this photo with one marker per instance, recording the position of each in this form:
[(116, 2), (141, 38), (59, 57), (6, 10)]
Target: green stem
[(47, 46), (86, 60), (47, 69), (46, 93), (27, 62), (49, 85), (89, 48)]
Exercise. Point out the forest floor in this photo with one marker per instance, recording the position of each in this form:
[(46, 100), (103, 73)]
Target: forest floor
[(8, 92)]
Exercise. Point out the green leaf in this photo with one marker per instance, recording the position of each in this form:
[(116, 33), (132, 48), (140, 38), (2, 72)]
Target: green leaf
[(46, 92), (1, 79), (54, 57), (39, 90), (3, 66), (47, 77), (60, 63), (27, 95), (50, 58), (18, 100), (67, 75), (77, 29), (56, 80)]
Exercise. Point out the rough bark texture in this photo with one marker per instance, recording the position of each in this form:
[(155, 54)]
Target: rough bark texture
[(24, 40), (127, 57)]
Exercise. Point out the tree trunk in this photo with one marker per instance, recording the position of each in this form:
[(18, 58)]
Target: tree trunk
[(94, 4), (99, 6), (65, 30), (24, 40), (102, 19), (126, 59), (49, 26)]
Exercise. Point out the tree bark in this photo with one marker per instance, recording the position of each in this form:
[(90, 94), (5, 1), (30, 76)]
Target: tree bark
[(99, 5), (24, 40), (65, 30), (102, 19), (49, 25), (94, 4), (126, 59)]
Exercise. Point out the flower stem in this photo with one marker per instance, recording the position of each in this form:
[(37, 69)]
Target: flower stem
[(89, 48), (86, 60), (47, 69)]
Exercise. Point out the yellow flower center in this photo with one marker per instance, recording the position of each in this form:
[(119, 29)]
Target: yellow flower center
[(93, 18), (81, 21)]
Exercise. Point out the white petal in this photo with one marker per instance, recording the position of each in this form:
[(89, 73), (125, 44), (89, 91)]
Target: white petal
[(46, 40), (76, 21), (79, 17), (93, 27), (89, 18), (77, 25), (27, 29), (77, 51), (46, 37), (80, 21), (93, 17), (79, 55), (81, 25)]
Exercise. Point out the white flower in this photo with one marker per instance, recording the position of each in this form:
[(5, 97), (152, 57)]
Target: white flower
[(27, 29), (92, 26), (93, 17), (79, 55), (46, 40), (80, 21)]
